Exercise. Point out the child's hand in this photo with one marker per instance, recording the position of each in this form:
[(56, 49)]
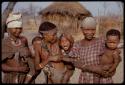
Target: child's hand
[(76, 59), (106, 67), (116, 52), (105, 74)]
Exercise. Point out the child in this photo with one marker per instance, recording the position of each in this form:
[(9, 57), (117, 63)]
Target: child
[(110, 58), (66, 44), (15, 52)]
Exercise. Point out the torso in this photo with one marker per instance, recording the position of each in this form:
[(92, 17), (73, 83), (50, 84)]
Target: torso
[(14, 62), (89, 51), (54, 49), (107, 58), (89, 55), (58, 68)]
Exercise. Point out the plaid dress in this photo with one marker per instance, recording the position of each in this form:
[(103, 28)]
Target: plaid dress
[(89, 55)]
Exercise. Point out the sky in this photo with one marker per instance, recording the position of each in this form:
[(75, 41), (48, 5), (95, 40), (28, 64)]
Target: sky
[(92, 6)]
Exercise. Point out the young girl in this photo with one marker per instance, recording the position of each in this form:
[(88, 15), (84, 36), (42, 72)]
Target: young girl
[(66, 44)]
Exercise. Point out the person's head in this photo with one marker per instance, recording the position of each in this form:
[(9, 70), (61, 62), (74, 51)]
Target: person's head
[(88, 27), (14, 24), (66, 42), (49, 31), (112, 38)]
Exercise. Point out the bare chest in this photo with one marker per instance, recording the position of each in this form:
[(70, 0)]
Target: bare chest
[(107, 58)]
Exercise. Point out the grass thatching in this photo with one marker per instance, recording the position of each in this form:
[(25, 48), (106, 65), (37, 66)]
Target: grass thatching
[(66, 8), (66, 15)]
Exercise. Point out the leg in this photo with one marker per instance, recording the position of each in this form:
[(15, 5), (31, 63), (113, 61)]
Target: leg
[(49, 81), (67, 76)]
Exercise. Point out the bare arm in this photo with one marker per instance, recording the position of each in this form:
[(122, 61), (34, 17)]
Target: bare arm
[(37, 50), (93, 68), (69, 59), (117, 60), (39, 56), (7, 68), (31, 73)]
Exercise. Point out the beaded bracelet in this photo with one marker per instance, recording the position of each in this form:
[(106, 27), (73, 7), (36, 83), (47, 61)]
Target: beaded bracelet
[(40, 66)]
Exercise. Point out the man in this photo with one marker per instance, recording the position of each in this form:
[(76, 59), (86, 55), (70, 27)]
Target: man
[(88, 49), (16, 60)]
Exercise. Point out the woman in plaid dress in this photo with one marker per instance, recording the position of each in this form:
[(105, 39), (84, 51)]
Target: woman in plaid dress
[(89, 49)]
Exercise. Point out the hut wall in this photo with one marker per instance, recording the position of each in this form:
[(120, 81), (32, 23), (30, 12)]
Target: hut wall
[(64, 23)]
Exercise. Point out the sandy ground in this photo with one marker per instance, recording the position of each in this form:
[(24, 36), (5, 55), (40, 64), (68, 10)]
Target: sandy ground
[(117, 78)]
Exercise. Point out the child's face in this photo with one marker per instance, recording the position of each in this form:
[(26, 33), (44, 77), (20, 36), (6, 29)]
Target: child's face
[(15, 31), (65, 43), (112, 42)]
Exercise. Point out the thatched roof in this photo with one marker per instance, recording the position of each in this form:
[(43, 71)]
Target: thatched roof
[(66, 8), (67, 16)]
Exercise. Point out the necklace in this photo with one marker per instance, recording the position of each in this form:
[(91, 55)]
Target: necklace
[(16, 43)]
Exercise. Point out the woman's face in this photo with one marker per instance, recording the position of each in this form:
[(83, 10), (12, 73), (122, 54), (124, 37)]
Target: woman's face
[(65, 43), (51, 36), (88, 33), (15, 31)]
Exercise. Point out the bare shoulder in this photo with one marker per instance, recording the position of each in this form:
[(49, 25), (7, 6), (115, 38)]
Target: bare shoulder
[(23, 39), (37, 40)]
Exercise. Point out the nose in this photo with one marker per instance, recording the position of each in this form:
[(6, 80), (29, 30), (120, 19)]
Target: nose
[(89, 32), (18, 30)]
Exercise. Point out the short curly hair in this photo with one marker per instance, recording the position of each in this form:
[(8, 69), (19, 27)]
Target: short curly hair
[(46, 26), (113, 32)]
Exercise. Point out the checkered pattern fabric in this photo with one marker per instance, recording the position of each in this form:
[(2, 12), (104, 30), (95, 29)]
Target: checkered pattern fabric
[(89, 55)]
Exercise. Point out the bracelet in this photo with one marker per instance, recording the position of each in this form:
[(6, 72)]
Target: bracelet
[(29, 75), (40, 66)]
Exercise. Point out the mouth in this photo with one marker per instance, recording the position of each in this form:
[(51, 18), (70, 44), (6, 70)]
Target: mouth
[(65, 47), (17, 33)]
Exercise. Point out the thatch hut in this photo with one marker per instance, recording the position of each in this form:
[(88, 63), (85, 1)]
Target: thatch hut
[(66, 15)]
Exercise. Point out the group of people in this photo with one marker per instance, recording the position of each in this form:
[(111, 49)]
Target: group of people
[(58, 57)]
